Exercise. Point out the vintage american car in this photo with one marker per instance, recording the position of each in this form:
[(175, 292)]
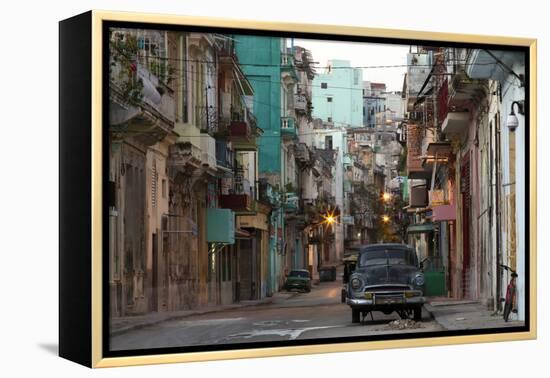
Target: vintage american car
[(387, 278), (298, 279)]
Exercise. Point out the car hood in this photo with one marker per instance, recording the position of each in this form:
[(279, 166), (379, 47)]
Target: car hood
[(387, 274)]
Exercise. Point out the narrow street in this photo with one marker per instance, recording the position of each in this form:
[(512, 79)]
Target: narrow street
[(290, 316), (241, 165)]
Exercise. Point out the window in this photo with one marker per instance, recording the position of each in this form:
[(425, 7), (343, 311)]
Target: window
[(329, 119), (364, 110), (329, 99), (388, 256), (164, 188), (328, 142), (324, 85)]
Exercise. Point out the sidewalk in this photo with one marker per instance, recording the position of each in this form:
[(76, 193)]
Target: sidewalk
[(463, 315), (125, 324)]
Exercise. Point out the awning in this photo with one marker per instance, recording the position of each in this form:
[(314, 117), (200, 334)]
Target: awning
[(420, 228)]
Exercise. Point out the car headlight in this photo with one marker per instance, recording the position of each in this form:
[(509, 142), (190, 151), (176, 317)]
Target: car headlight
[(355, 283), (419, 279)]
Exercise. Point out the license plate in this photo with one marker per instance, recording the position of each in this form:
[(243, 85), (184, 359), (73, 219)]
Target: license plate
[(389, 300)]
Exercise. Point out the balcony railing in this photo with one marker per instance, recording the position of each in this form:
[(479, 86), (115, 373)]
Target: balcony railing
[(287, 59), (288, 127)]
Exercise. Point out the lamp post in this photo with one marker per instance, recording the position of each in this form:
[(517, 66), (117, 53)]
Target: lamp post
[(512, 121)]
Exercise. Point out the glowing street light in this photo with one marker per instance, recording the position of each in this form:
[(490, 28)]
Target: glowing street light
[(329, 218), (386, 197), (385, 218)]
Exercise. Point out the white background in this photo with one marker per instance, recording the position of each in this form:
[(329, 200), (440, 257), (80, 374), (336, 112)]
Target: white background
[(29, 189)]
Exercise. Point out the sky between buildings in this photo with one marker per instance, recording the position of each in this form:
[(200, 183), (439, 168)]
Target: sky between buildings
[(363, 54)]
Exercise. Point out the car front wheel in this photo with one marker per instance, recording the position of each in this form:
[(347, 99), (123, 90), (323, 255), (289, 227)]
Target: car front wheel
[(417, 313), (355, 316)]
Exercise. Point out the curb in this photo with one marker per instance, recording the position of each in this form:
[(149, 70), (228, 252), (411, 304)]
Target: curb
[(430, 310), (145, 324)]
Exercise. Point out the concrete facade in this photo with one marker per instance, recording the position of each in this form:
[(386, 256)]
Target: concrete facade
[(337, 94)]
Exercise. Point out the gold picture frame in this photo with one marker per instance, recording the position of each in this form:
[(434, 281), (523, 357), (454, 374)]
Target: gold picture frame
[(90, 264)]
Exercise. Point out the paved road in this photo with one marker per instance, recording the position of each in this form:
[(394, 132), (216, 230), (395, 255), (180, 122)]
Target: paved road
[(318, 314)]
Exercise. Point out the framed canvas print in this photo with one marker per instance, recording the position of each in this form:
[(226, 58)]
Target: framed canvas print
[(233, 189)]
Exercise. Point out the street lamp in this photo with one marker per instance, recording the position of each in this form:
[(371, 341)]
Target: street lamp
[(385, 218), (386, 197), (512, 121), (329, 218)]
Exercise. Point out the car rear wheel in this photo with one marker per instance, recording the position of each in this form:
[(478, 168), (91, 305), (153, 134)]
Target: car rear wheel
[(355, 316)]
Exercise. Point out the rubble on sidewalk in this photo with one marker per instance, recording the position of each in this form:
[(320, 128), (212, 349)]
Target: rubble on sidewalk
[(404, 324)]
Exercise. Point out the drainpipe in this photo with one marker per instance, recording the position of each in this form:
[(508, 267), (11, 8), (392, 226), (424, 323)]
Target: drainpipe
[(498, 214)]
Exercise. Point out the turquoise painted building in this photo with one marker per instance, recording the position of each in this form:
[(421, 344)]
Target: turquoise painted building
[(338, 94), (260, 60)]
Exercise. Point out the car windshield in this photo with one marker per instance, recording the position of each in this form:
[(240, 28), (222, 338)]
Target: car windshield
[(297, 273), (388, 256)]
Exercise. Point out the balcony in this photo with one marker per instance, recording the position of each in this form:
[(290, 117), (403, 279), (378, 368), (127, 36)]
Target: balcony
[(436, 153), (288, 128), (292, 202), (456, 122), (140, 104), (287, 65), (185, 155), (208, 151), (239, 203), (415, 145), (239, 130), (242, 135), (241, 200), (300, 103)]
